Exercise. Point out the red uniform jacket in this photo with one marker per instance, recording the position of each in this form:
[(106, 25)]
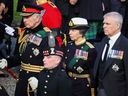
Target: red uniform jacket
[(52, 17)]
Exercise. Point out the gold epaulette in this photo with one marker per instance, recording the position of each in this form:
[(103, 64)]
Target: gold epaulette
[(89, 44), (46, 29)]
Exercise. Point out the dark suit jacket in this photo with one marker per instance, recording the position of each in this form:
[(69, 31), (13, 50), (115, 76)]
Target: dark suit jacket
[(115, 83)]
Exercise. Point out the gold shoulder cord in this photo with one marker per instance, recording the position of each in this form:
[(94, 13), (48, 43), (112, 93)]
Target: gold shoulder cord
[(22, 40), (92, 89), (65, 40), (89, 44), (28, 89)]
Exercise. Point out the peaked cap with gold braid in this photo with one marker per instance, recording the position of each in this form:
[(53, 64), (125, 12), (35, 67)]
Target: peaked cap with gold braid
[(30, 9)]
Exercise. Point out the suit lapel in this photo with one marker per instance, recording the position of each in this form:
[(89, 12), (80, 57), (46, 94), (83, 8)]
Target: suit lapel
[(109, 61), (99, 57)]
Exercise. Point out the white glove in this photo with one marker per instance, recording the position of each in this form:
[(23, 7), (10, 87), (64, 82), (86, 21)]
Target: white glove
[(33, 82), (3, 63), (9, 30)]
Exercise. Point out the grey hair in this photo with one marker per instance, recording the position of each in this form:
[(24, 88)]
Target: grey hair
[(37, 15), (117, 17)]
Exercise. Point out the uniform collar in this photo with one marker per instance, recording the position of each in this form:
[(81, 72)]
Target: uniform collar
[(80, 42), (54, 70)]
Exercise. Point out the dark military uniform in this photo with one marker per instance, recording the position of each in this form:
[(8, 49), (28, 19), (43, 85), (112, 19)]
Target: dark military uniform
[(54, 82), (31, 44), (79, 63)]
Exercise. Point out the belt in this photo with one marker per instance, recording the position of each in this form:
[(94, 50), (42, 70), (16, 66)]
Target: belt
[(87, 76), (74, 75), (31, 68)]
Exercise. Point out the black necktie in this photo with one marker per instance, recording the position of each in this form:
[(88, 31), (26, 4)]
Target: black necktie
[(106, 51)]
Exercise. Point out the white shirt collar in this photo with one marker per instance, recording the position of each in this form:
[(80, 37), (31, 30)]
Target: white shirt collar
[(113, 39)]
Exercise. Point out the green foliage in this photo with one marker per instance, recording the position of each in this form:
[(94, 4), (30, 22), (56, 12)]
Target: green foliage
[(17, 17)]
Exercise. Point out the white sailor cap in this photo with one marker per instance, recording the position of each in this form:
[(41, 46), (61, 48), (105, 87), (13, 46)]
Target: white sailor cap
[(78, 23)]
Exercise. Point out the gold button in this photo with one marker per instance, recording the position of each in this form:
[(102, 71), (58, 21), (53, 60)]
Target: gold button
[(51, 71), (48, 76), (45, 87), (32, 48), (87, 85), (46, 81), (27, 71), (30, 56), (75, 78), (45, 92)]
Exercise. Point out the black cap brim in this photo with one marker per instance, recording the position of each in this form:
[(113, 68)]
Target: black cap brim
[(79, 27)]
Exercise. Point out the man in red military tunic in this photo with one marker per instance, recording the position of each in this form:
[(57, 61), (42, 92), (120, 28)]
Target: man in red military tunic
[(52, 17)]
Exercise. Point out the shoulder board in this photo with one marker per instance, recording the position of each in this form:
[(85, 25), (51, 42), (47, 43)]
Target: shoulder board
[(89, 44)]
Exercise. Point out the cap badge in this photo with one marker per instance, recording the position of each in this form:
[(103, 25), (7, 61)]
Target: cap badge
[(52, 51), (71, 23)]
